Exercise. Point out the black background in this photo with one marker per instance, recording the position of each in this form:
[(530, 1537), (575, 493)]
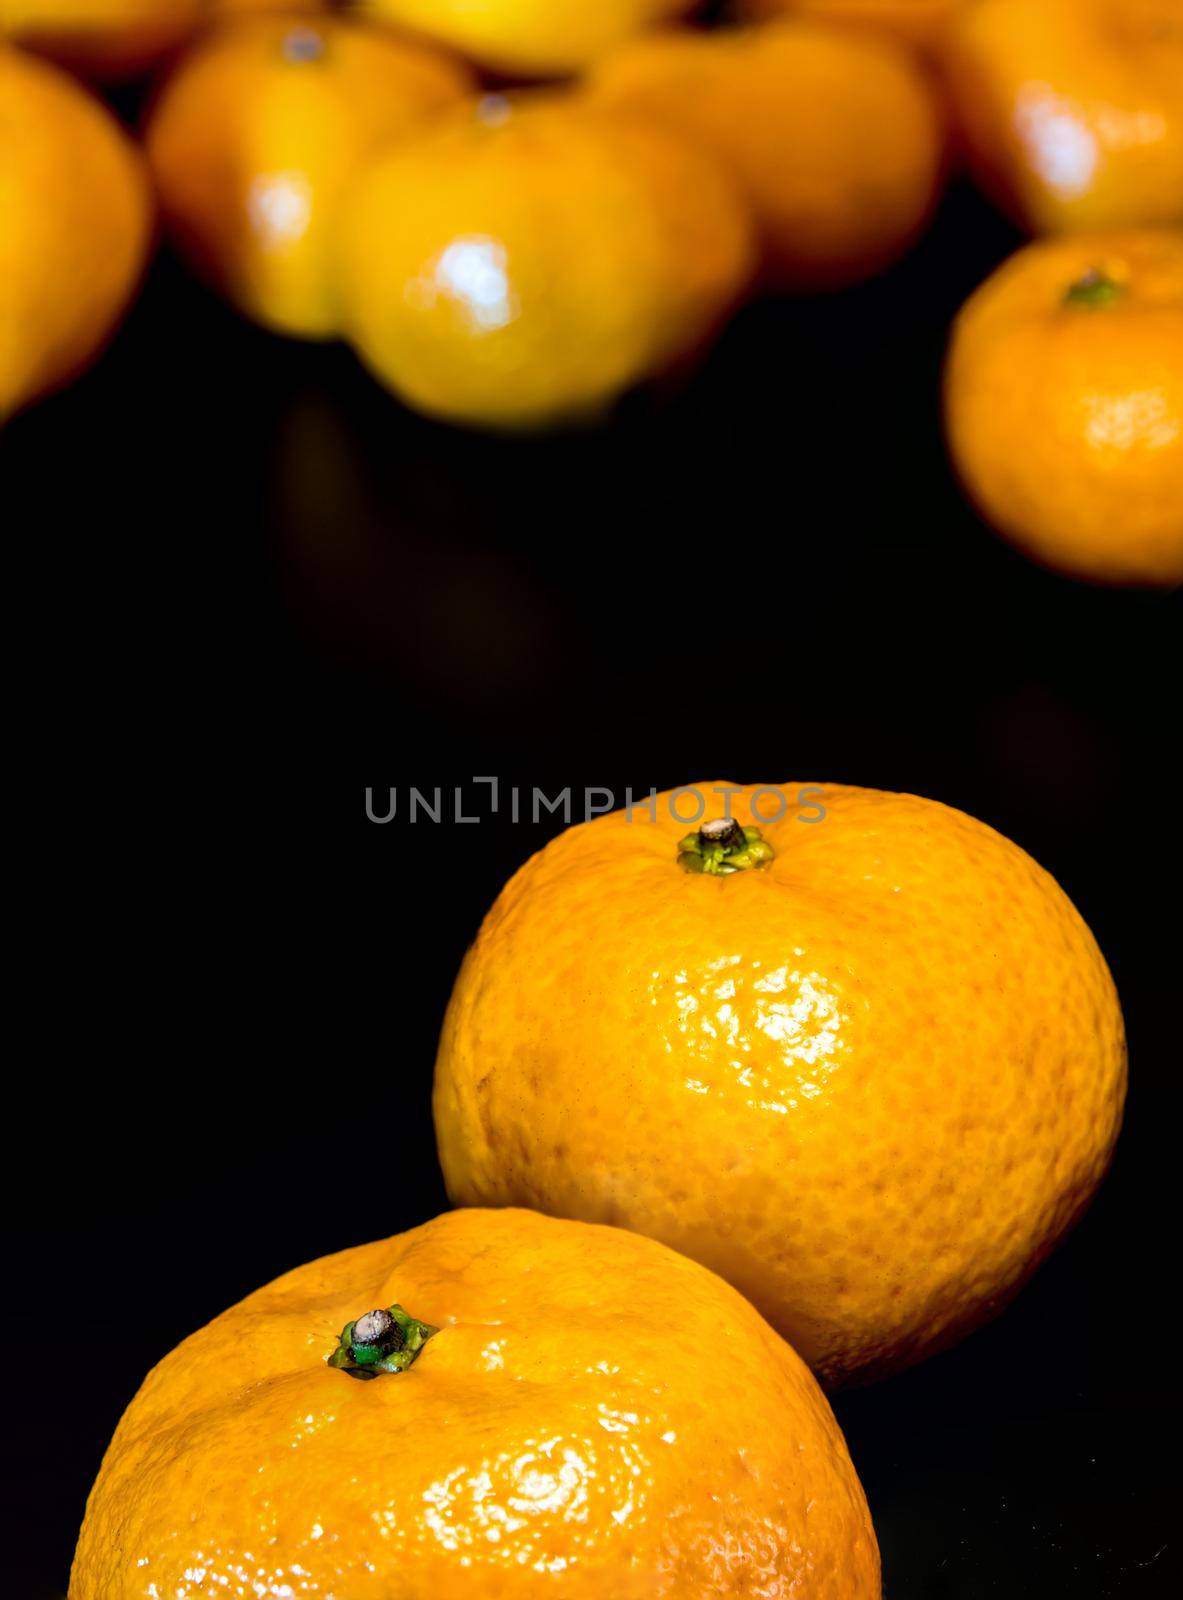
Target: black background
[(244, 584)]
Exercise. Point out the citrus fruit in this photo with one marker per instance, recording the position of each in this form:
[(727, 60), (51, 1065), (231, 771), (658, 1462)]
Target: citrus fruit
[(256, 136), (75, 226), (920, 22), (527, 37), (836, 137), (1064, 403), (532, 259), (102, 38), (493, 1406), (242, 8), (853, 1050), (1072, 110)]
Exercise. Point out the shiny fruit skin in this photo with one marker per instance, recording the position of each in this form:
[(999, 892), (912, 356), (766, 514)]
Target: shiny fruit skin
[(1066, 420), (256, 137), (1072, 110), (76, 224), (597, 1417), (919, 22), (102, 38), (527, 38), (532, 259), (836, 137), (871, 1083)]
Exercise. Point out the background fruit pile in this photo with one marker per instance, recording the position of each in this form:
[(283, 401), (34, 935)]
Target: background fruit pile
[(250, 584), (518, 214)]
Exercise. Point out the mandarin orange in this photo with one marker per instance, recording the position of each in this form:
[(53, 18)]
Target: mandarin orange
[(1072, 110), (836, 138), (920, 22), (868, 1065), (551, 1409), (531, 38), (531, 259), (256, 137), (1064, 404), (76, 223), (102, 38)]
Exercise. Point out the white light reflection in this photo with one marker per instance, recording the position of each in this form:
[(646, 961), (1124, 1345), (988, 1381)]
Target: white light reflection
[(280, 208), (1061, 148), (1122, 422), (474, 272)]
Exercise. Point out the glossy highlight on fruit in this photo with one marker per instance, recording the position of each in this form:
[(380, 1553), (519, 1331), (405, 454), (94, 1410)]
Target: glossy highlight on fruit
[(531, 259), (836, 137), (530, 38), (871, 1080), (257, 136), (1064, 404), (584, 1414), (1072, 110), (76, 223)]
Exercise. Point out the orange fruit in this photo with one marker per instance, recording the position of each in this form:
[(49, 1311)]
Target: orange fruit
[(552, 1410), (535, 38), (1072, 110), (242, 8), (863, 1059), (920, 22), (102, 38), (530, 260), (256, 136), (75, 227), (118, 38), (1064, 403), (836, 137)]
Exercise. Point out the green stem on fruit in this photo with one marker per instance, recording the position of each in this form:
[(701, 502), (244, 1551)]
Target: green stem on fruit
[(381, 1341), (722, 846), (1094, 291)]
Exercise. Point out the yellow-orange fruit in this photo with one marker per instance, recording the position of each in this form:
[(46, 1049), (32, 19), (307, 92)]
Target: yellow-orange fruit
[(837, 138), (1072, 110), (1064, 404), (75, 227), (256, 137), (920, 22), (245, 8), (586, 1414), (530, 260), (871, 1081), (102, 38), (527, 37)]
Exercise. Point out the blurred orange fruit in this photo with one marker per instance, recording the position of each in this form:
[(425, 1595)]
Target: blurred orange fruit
[(581, 1415), (75, 226), (1064, 399), (921, 22), (528, 37), (868, 1063), (255, 137), (102, 38), (243, 8), (532, 259), (836, 137), (1072, 110)]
